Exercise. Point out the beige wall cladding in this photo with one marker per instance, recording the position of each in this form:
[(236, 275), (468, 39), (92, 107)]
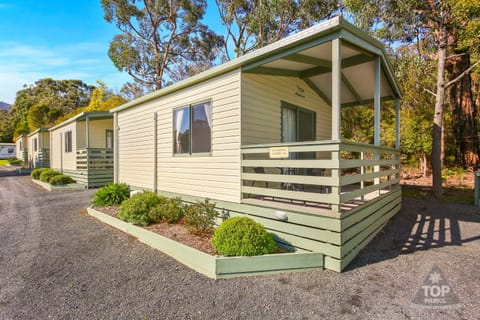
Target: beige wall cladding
[(43, 142), (216, 176), (261, 107), (98, 135), (59, 159)]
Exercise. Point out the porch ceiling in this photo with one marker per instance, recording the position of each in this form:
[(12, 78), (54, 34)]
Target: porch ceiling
[(314, 66)]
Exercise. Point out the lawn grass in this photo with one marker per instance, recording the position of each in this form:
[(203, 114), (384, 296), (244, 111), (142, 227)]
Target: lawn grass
[(458, 194), (3, 162)]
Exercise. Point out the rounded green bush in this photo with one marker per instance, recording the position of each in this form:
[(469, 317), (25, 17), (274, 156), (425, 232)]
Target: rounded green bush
[(37, 172), (137, 209), (111, 194), (60, 180), (241, 236), (46, 175), (169, 211)]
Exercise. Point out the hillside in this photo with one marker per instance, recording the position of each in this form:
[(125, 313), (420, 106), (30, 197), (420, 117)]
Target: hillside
[(4, 105)]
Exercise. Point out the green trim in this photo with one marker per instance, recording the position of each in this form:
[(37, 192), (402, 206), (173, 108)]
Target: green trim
[(317, 90), (274, 72), (297, 57), (350, 87), (79, 117), (365, 102)]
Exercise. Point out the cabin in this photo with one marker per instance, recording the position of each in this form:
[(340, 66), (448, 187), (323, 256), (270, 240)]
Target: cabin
[(261, 136), (82, 147), (7, 150), (39, 146), (21, 145)]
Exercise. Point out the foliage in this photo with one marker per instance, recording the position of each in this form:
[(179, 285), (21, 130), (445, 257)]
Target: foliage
[(241, 236), (60, 180), (453, 171), (254, 24), (170, 210), (200, 217), (137, 209), (37, 172), (159, 39), (40, 104), (111, 194), (104, 99), (15, 162), (47, 174)]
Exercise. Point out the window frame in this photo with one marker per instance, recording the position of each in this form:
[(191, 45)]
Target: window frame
[(190, 107), (109, 131), (35, 144), (68, 142)]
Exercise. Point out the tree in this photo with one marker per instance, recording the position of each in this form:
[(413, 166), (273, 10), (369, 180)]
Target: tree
[(41, 116), (158, 37), (410, 21), (57, 97), (254, 24)]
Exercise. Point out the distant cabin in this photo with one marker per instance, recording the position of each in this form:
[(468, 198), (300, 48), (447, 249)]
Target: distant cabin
[(39, 146), (261, 136), (82, 147), (7, 150), (21, 143)]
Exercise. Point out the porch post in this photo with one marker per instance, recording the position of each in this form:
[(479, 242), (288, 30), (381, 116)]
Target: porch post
[(336, 117), (87, 132), (397, 123), (377, 114), (115, 147)]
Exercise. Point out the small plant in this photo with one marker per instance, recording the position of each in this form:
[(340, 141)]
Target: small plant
[(169, 211), (111, 194), (37, 172), (241, 236), (60, 180), (200, 217), (46, 175), (14, 161), (137, 209)]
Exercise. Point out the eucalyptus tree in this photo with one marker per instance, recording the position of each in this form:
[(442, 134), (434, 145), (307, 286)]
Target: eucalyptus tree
[(158, 38)]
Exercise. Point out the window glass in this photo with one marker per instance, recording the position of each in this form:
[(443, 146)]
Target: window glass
[(35, 147), (201, 128), (68, 141), (109, 142), (181, 130)]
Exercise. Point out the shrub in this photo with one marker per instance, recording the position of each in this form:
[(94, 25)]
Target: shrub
[(37, 172), (169, 211), (111, 194), (200, 217), (14, 161), (137, 209), (61, 179), (241, 236), (46, 175)]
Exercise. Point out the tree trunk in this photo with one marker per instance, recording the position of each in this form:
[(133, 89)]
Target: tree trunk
[(464, 113), (438, 114)]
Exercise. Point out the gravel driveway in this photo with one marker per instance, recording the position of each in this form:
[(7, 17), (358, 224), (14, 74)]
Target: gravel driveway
[(58, 263)]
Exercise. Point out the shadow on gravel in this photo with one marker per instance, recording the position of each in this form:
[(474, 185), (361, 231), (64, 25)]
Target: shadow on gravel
[(422, 225)]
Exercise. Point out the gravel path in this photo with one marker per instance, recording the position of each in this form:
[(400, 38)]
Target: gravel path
[(57, 263)]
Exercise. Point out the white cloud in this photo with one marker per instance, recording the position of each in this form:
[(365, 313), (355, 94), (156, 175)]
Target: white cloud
[(25, 64)]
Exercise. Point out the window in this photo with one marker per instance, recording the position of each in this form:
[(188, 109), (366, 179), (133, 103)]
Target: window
[(68, 141), (35, 146), (109, 136), (192, 129)]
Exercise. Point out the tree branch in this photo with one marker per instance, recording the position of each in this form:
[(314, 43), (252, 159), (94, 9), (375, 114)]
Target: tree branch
[(461, 75), (429, 91)]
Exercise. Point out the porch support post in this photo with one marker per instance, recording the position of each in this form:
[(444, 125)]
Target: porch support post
[(115, 147), (87, 132), (336, 116), (377, 114), (397, 123), (397, 133)]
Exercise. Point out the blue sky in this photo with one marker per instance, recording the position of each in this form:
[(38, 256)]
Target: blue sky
[(60, 40)]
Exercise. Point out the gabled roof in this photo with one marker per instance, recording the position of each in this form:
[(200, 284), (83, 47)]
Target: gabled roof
[(37, 131), (307, 54), (83, 116)]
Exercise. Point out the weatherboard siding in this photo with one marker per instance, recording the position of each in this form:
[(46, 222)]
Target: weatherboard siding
[(261, 107), (59, 159), (215, 176)]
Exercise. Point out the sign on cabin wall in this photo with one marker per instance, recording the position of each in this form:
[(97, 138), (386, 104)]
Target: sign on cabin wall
[(278, 152)]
